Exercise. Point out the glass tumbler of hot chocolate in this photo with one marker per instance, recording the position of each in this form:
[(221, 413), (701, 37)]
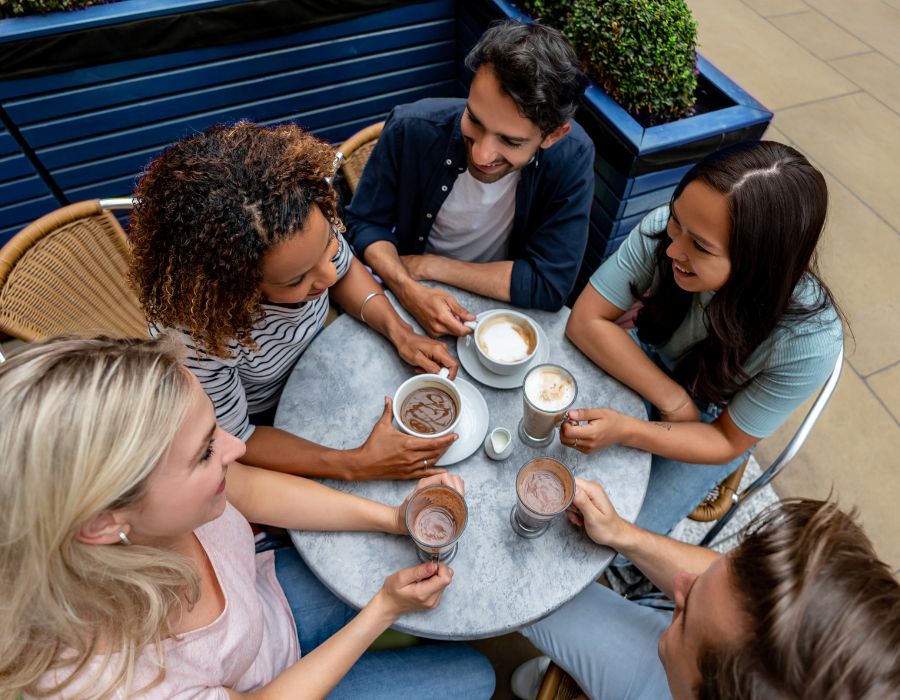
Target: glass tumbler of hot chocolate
[(544, 488), (547, 395), (436, 516)]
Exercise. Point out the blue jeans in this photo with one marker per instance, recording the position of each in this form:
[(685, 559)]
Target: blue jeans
[(435, 670), (675, 488), (607, 644)]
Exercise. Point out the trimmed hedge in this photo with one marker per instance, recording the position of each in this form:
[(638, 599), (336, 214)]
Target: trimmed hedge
[(18, 8), (642, 52)]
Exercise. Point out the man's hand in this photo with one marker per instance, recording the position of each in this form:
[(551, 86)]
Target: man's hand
[(428, 354), (592, 509), (603, 428), (390, 454), (437, 311)]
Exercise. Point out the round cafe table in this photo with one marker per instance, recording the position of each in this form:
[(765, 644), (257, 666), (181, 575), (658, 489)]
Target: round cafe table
[(501, 581)]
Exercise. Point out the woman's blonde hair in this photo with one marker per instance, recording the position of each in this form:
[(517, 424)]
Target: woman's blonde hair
[(85, 422)]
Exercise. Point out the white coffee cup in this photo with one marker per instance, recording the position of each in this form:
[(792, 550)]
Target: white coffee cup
[(424, 381), (505, 340)]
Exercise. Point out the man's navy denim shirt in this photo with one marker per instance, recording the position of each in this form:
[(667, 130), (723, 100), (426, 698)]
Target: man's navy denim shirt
[(413, 167)]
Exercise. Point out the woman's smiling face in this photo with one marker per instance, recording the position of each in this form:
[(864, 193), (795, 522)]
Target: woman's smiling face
[(300, 268), (700, 229)]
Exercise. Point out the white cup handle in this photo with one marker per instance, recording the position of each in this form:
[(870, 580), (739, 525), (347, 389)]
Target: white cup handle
[(444, 373), (471, 324)]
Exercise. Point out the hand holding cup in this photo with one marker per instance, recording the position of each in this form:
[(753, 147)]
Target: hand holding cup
[(414, 588), (454, 481)]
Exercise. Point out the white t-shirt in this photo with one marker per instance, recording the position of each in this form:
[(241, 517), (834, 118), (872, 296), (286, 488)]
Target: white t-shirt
[(475, 220)]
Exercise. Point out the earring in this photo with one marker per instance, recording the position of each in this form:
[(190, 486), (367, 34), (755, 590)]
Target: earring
[(123, 538)]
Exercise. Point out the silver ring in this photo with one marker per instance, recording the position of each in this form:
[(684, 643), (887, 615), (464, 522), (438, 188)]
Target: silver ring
[(425, 461)]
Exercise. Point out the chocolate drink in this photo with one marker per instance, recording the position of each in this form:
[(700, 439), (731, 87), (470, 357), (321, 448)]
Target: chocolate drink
[(434, 526), (542, 492), (428, 410)]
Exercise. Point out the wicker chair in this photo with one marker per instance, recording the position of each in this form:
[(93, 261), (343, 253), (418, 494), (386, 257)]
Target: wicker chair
[(558, 685), (65, 273), (354, 153)]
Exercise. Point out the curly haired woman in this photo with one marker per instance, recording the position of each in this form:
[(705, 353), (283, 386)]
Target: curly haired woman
[(237, 246)]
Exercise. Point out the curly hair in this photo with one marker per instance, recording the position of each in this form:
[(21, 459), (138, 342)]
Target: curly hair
[(209, 208), (536, 67)]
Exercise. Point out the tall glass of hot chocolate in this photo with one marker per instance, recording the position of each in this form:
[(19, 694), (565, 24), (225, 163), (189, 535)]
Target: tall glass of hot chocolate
[(544, 489), (436, 517), (548, 392)]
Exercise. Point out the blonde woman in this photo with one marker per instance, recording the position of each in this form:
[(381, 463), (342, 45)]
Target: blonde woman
[(127, 563)]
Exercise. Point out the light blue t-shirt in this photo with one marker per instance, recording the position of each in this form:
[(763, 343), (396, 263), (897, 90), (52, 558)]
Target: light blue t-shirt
[(786, 368)]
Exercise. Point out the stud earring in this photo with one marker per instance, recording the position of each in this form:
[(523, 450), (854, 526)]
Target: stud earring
[(123, 538)]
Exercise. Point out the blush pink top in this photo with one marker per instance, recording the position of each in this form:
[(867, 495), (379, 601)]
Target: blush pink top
[(251, 642)]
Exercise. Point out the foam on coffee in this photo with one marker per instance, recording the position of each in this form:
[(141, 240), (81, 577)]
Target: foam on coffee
[(428, 410), (434, 526), (542, 492), (505, 339), (549, 389)]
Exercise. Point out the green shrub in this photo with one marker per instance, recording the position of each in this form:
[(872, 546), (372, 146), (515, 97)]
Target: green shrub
[(17, 8), (641, 52)]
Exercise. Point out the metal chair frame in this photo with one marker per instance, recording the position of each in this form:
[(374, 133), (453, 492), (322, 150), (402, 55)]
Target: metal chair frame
[(786, 455)]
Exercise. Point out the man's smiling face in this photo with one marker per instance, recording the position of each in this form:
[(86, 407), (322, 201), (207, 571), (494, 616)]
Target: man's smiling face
[(499, 140)]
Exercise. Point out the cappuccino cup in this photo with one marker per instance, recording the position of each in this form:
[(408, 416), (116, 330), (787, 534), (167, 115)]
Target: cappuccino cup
[(427, 405), (547, 394), (505, 340)]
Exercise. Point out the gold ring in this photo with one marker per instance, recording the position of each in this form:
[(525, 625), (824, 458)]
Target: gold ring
[(575, 444)]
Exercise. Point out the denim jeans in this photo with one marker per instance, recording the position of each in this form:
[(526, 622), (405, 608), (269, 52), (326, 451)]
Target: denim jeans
[(435, 670), (675, 488), (607, 644)]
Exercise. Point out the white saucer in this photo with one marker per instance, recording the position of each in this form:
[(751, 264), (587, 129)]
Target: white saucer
[(469, 359), (472, 426)]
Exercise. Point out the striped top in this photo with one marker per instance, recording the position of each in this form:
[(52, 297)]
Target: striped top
[(785, 369), (251, 381)]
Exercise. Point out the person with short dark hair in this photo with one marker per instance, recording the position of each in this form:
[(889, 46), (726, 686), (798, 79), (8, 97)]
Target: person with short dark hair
[(491, 194), (801, 608)]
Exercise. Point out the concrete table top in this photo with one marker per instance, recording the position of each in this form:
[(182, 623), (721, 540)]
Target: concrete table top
[(501, 581)]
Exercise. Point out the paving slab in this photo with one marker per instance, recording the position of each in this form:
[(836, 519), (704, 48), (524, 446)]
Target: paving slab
[(818, 34), (855, 136), (774, 68)]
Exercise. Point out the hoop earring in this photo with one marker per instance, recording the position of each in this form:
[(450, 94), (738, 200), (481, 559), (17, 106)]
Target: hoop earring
[(123, 538)]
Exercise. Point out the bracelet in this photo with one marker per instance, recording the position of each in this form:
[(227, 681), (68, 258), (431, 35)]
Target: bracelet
[(679, 407), (369, 298)]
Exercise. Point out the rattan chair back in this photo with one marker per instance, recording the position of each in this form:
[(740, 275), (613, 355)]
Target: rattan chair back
[(354, 153), (65, 273)]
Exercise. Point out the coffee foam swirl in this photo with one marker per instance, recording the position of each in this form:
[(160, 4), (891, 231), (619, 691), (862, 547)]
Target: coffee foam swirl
[(505, 341), (549, 390)]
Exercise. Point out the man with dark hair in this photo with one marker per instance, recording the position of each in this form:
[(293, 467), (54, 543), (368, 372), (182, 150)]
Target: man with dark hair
[(801, 608), (491, 194)]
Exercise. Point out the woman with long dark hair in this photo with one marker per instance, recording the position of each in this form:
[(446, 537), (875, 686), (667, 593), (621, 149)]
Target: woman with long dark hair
[(734, 328)]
